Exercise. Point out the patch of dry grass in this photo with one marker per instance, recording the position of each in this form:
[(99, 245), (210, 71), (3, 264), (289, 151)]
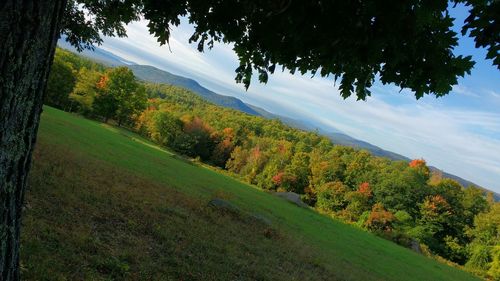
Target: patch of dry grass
[(88, 220)]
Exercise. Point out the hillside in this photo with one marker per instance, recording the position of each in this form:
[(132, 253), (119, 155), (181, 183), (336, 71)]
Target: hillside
[(155, 75), (105, 204)]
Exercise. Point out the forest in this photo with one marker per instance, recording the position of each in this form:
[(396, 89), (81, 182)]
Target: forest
[(401, 201)]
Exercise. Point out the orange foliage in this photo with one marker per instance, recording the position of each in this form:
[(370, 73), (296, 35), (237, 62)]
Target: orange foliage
[(228, 133), (197, 125), (278, 178), (365, 189), (435, 209), (103, 81), (417, 163), (281, 178), (255, 153), (379, 218), (436, 204), (226, 143)]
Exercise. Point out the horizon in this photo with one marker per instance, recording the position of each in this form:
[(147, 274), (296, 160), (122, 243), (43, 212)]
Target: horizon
[(455, 133)]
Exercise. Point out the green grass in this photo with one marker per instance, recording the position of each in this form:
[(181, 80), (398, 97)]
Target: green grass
[(105, 204)]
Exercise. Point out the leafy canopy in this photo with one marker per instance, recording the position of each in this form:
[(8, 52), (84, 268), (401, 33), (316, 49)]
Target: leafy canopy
[(408, 43)]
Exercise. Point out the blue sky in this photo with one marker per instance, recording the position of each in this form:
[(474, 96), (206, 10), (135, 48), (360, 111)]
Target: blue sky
[(458, 133)]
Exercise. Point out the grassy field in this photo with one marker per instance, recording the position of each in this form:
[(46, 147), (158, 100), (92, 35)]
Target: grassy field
[(105, 204)]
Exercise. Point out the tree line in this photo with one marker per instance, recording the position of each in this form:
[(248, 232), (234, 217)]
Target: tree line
[(89, 88), (401, 201)]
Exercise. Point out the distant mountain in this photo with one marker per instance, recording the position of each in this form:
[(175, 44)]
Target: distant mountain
[(298, 124), (343, 139), (97, 54), (155, 75)]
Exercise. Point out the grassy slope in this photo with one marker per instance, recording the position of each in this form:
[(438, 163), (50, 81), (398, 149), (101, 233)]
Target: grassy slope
[(106, 204)]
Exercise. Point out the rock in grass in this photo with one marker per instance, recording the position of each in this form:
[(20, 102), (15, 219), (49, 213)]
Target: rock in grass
[(415, 246), (228, 207), (224, 206), (292, 197), (261, 219)]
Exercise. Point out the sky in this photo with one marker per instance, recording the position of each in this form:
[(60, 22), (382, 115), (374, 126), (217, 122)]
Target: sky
[(458, 133)]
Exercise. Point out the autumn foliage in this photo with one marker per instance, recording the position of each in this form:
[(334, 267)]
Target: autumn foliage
[(421, 166), (380, 219), (195, 125), (283, 179), (416, 163), (365, 189), (435, 206), (103, 82), (278, 178)]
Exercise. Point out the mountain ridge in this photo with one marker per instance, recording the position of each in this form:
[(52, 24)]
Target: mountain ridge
[(152, 74)]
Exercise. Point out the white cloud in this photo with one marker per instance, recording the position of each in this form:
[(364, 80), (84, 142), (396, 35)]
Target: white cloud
[(461, 140), (463, 90)]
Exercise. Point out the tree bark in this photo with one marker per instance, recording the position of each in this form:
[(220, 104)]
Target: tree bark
[(28, 34)]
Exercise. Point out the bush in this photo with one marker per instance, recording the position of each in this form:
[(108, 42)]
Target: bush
[(331, 197), (480, 258)]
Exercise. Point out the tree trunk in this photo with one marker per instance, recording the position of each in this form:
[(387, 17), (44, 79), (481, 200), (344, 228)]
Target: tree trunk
[(28, 34)]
